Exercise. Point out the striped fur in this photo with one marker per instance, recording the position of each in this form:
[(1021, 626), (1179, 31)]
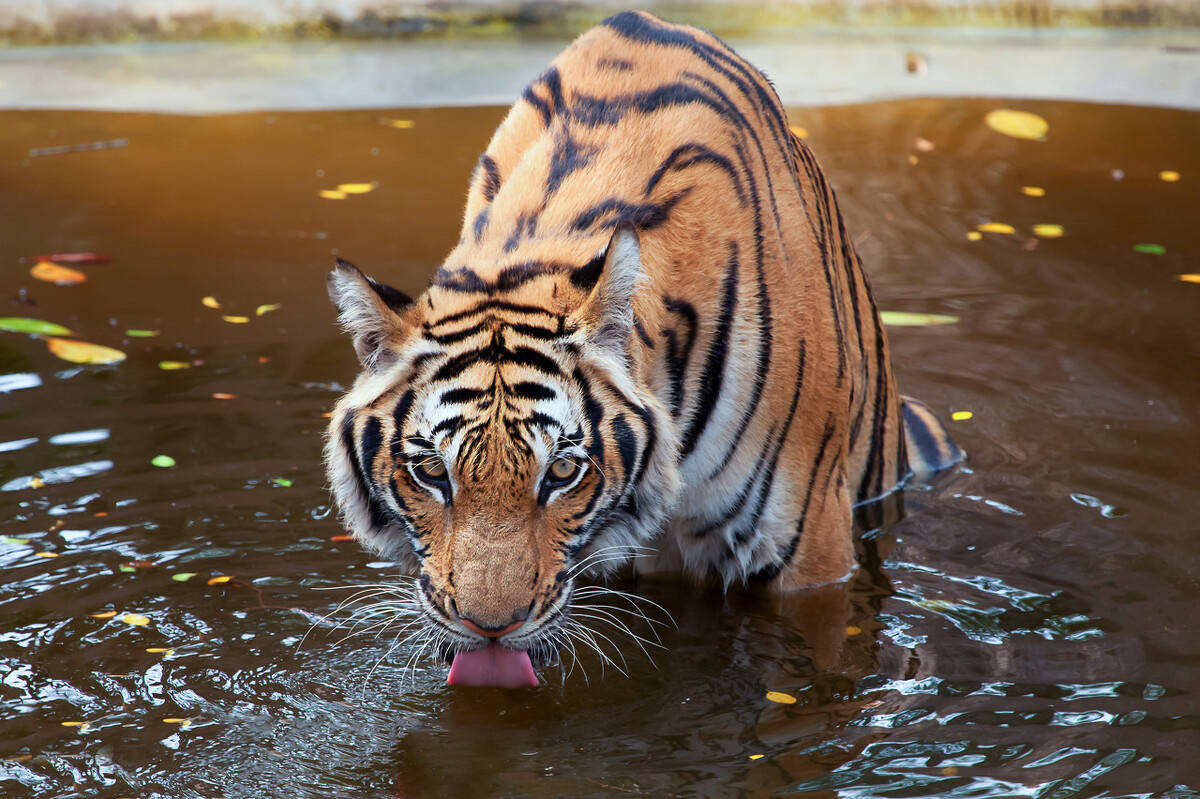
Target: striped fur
[(654, 281)]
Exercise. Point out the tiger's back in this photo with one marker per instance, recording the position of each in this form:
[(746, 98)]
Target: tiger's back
[(755, 321)]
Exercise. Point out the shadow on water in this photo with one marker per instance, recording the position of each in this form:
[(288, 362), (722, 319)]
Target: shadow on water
[(1026, 629)]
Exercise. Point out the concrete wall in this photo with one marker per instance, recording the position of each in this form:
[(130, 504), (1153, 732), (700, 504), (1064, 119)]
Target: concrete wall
[(70, 21)]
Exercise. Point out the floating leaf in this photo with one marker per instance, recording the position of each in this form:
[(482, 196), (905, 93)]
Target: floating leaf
[(184, 722), (403, 124), (330, 194), (781, 697), (182, 577), (923, 145), (136, 619), (108, 614), (801, 133), (219, 580), (356, 188), (757, 757), (36, 482), (210, 302), (8, 539), (341, 538), (996, 227), (76, 258), (1033, 191), (36, 327), (58, 275), (1018, 124), (171, 366), (46, 554), (160, 650), (1048, 231), (236, 320), (126, 568), (1169, 175), (961, 416), (135, 333), (910, 319), (82, 725), (83, 352), (282, 481), (912, 160), (223, 396), (852, 631), (267, 308), (1150, 249), (162, 461), (974, 235), (1194, 277)]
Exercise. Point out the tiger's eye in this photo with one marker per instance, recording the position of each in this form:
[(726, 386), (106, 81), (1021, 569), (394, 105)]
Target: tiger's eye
[(434, 467), (563, 469)]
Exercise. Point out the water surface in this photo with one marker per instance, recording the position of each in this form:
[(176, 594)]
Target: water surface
[(1028, 628)]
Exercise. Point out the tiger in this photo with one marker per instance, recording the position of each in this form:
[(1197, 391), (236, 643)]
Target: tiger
[(653, 338)]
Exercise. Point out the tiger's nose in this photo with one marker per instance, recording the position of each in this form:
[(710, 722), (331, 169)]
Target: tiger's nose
[(519, 619)]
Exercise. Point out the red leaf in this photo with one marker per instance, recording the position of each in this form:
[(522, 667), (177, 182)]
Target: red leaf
[(76, 258)]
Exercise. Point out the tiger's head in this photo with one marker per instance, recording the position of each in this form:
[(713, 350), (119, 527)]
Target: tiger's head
[(501, 442)]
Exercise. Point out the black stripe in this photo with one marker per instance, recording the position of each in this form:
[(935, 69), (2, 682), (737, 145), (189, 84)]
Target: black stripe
[(491, 177), (626, 443), (492, 304), (677, 358), (457, 335), (690, 154), (399, 417), (525, 356), (532, 391), (450, 425), (714, 364), (375, 512), (614, 212)]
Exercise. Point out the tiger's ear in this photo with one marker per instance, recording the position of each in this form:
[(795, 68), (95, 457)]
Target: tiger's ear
[(370, 312), (612, 276)]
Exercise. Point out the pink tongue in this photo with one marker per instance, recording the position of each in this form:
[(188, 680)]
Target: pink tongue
[(495, 665)]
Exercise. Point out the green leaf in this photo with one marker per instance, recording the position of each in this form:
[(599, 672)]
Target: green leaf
[(1150, 249), (182, 577), (8, 539), (135, 333), (909, 319), (36, 327), (162, 461), (282, 481), (126, 568)]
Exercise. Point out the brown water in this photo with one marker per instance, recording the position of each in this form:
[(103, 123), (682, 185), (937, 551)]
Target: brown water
[(1030, 628)]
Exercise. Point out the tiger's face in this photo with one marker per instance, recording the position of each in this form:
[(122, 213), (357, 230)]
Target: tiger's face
[(499, 447)]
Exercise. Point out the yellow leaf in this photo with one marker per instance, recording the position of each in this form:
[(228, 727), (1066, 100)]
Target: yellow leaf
[(1169, 175), (330, 194), (1033, 191), (46, 554), (1048, 231), (974, 235), (83, 352), (136, 619), (267, 308), (210, 302), (218, 580), (59, 275), (961, 416), (912, 160), (236, 320), (909, 319), (184, 722), (171, 366), (356, 188), (757, 757), (1018, 124), (160, 650), (800, 132), (403, 124), (996, 227), (781, 697), (82, 725), (108, 614), (1193, 277), (852, 631)]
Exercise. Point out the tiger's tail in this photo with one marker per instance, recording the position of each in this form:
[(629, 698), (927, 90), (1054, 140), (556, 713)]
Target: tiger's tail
[(927, 441)]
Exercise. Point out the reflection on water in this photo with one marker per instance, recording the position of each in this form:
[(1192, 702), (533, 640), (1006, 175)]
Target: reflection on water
[(1027, 628)]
